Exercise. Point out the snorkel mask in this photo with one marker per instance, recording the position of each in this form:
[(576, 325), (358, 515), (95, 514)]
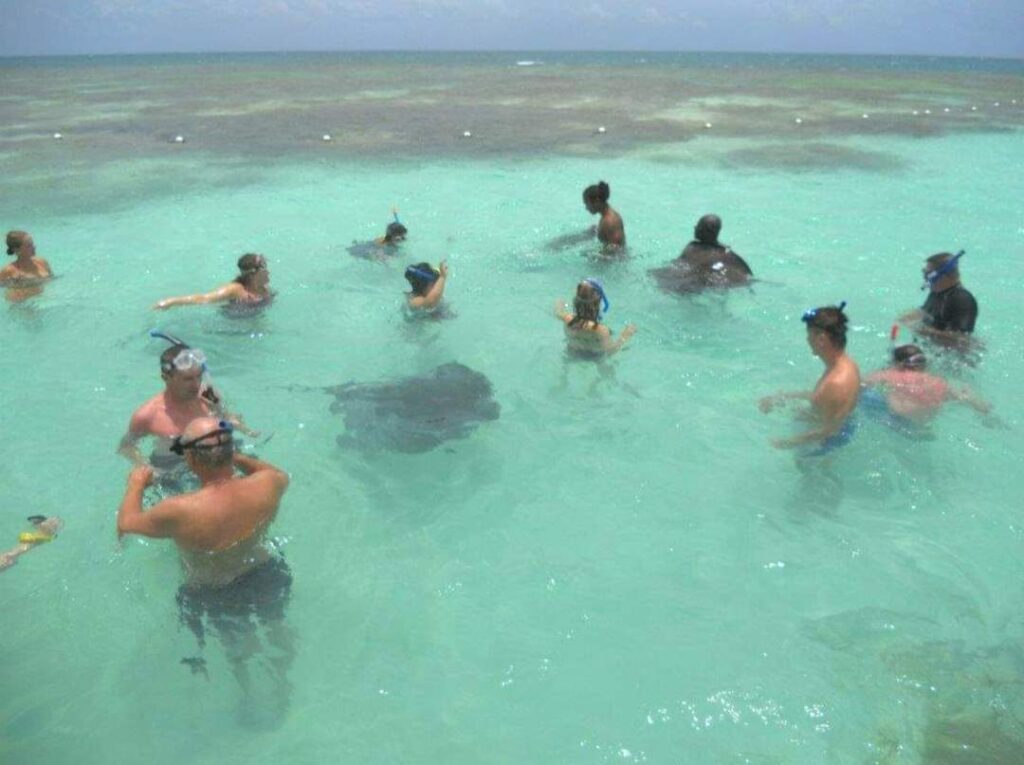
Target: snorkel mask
[(179, 447), (599, 288), (186, 360), (930, 277), (414, 273), (811, 313)]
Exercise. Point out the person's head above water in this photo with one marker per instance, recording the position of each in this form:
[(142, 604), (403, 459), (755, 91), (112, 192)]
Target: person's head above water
[(18, 242), (253, 272), (909, 357), (182, 370), (420, 277), (826, 328), (590, 300), (595, 198), (942, 270), (207, 444), (395, 233), (707, 229)]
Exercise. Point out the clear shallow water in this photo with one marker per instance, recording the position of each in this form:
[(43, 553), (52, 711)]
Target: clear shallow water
[(593, 577)]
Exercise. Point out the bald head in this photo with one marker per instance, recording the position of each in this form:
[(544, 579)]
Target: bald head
[(707, 229), (215, 446)]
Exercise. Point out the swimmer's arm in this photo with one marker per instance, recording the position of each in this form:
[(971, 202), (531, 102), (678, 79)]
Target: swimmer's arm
[(435, 293), (768, 403), (911, 317), (160, 521), (830, 404), (614, 346), (129, 446), (966, 396), (250, 465), (220, 295), (562, 311)]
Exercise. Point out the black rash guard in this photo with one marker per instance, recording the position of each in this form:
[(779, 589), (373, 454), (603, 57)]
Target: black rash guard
[(952, 310)]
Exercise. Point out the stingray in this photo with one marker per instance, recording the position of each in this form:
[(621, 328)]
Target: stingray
[(685, 276), (414, 414)]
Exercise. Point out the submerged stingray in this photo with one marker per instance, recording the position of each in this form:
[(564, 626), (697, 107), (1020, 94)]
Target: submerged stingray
[(414, 414), (703, 266)]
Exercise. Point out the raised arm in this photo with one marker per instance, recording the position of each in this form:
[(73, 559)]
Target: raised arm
[(229, 291), (436, 291), (614, 346), (159, 521), (253, 466)]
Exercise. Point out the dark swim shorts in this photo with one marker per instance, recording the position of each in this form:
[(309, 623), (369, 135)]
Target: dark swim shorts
[(260, 594)]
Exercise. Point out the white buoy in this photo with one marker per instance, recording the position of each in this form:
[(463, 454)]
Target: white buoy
[(996, 104), (927, 111), (57, 136), (327, 136), (946, 110), (798, 121), (974, 108), (916, 112), (467, 134), (707, 126), (864, 116), (1014, 102), (601, 129), (179, 139)]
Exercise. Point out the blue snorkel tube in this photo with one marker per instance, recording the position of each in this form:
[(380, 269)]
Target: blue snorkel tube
[(933, 276), (596, 284)]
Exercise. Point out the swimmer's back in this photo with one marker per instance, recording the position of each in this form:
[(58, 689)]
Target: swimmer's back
[(222, 515)]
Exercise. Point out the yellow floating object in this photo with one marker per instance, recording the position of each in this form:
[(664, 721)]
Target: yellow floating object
[(33, 537)]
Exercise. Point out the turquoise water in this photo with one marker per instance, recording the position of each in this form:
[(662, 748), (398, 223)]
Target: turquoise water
[(615, 570)]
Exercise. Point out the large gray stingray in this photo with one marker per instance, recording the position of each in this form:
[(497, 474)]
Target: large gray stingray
[(414, 414)]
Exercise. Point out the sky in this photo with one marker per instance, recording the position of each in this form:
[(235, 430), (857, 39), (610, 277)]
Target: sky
[(930, 27)]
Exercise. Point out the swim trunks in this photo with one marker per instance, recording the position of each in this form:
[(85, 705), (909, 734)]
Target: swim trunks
[(261, 593), (830, 444)]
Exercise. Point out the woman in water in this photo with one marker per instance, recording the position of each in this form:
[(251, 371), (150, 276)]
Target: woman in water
[(250, 288), (427, 285), (610, 231), (25, 275), (587, 337)]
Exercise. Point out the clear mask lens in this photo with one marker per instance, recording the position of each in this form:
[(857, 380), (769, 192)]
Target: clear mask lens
[(190, 358)]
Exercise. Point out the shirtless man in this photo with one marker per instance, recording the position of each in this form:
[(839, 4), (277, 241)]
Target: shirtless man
[(835, 395), (168, 412), (610, 230), (906, 395), (232, 579)]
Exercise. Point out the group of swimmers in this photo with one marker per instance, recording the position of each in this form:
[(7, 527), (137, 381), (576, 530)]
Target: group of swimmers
[(219, 527)]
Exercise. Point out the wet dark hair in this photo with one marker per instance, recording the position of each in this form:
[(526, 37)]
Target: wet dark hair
[(600, 191), (832, 321), (14, 241), (394, 230), (586, 306), (416, 276), (909, 357), (707, 229), (248, 265), (169, 355)]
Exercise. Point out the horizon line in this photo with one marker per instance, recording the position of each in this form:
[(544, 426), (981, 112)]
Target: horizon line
[(655, 51)]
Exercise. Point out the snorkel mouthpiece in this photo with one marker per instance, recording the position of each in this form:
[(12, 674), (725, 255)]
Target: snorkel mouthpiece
[(596, 284), (931, 277)]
